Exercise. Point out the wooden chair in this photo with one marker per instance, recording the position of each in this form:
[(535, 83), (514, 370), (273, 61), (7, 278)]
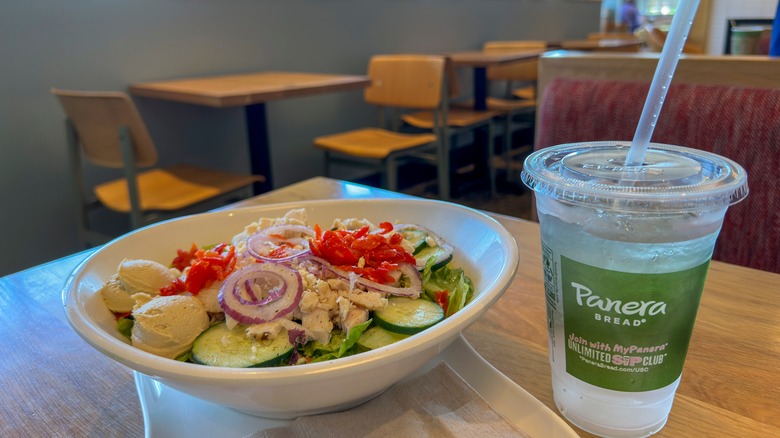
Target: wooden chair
[(518, 100), (459, 118), (656, 38), (413, 88), (108, 130), (726, 105), (524, 73)]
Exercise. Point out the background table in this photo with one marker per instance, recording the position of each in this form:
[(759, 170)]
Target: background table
[(617, 45), (480, 61), (251, 91), (54, 384)]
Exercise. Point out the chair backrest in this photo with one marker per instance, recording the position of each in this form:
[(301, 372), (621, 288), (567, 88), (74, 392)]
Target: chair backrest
[(737, 122), (406, 81), (523, 71), (656, 38), (97, 116)]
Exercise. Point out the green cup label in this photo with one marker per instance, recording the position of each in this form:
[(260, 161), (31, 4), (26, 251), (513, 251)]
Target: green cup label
[(626, 331)]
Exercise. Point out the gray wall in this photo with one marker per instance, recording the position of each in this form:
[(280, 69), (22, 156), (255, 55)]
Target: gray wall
[(107, 45)]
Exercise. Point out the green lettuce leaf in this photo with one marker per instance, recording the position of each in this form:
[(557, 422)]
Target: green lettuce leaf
[(125, 326), (185, 357), (459, 287), (339, 345)]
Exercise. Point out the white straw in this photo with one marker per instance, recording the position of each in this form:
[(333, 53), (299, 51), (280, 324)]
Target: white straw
[(678, 33)]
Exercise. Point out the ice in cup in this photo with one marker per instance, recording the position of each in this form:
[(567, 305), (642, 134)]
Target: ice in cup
[(625, 255)]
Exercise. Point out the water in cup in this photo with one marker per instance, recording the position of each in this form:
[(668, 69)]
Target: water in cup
[(625, 256)]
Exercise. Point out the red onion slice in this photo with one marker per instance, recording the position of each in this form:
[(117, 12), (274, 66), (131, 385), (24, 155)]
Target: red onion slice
[(247, 294), (257, 244), (267, 309), (269, 282)]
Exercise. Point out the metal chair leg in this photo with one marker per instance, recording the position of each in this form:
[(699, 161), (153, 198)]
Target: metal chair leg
[(508, 146), (327, 163), (391, 174), (77, 174), (443, 172), (128, 156), (491, 162)]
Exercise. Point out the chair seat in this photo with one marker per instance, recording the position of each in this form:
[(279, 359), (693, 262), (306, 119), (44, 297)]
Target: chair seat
[(173, 188), (525, 92), (456, 116), (501, 105), (372, 142)]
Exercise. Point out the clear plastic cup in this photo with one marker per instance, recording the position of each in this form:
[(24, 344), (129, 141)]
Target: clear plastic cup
[(625, 254)]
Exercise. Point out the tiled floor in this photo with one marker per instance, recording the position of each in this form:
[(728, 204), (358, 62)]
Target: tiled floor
[(511, 200)]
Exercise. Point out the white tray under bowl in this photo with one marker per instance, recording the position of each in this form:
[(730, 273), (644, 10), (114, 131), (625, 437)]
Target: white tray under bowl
[(170, 413)]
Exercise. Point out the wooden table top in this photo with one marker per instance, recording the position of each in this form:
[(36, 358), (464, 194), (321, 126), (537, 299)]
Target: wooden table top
[(54, 384), (616, 43), (483, 59), (247, 89)]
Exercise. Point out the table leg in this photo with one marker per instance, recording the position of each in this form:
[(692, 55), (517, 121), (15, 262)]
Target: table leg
[(259, 150), (480, 88)]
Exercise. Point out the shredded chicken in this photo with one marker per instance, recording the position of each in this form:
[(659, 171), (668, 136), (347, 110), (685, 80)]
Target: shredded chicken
[(270, 330), (352, 224), (368, 300), (318, 325)]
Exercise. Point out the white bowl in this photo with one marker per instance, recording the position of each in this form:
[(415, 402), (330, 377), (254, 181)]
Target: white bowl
[(484, 248)]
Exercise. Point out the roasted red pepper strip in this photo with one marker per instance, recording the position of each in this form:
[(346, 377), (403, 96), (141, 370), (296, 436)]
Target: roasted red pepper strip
[(206, 267), (386, 227), (184, 258), (174, 288), (380, 254), (442, 299)]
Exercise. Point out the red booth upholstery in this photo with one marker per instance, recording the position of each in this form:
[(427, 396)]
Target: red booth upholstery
[(739, 123)]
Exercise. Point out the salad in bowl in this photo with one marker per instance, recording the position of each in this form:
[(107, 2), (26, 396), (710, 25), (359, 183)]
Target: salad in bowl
[(285, 292), (327, 369)]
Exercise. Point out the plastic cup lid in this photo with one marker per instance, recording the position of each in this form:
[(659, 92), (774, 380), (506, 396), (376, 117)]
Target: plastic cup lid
[(671, 179)]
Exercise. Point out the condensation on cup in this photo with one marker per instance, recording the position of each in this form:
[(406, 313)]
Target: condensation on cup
[(625, 253)]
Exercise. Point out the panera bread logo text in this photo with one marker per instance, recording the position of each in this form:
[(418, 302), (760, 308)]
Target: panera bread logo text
[(585, 297)]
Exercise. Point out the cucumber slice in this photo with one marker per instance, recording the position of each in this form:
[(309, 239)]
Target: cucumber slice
[(221, 347), (415, 236), (442, 254), (408, 316), (377, 337)]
